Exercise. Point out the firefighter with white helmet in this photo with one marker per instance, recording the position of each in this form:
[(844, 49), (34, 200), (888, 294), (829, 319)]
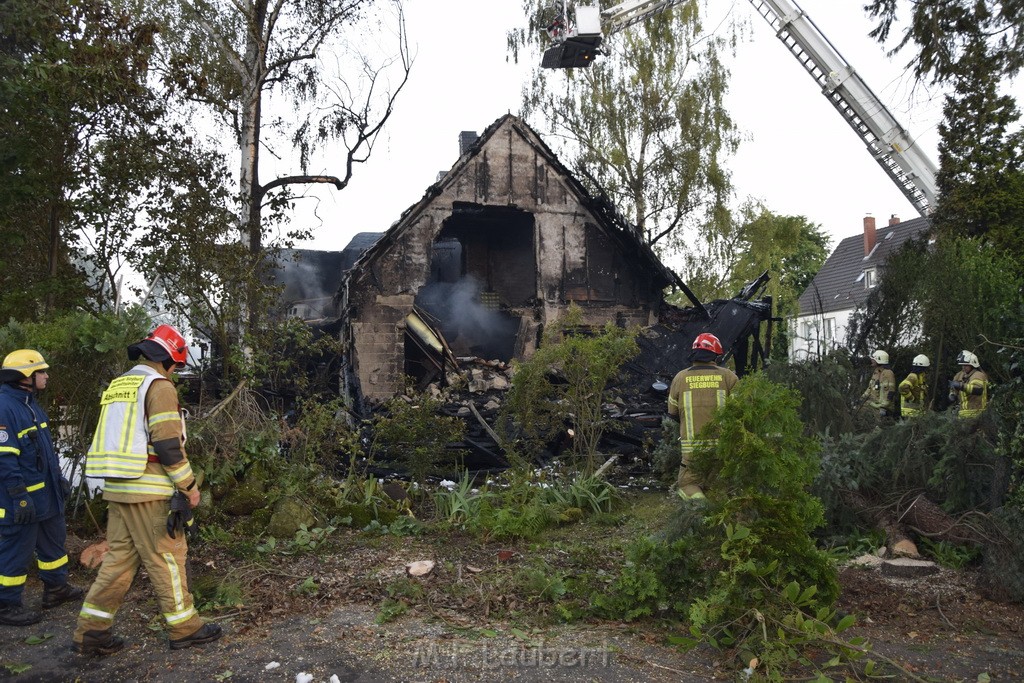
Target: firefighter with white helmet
[(32, 493), (914, 389), (881, 392), (694, 396), (138, 450), (968, 392)]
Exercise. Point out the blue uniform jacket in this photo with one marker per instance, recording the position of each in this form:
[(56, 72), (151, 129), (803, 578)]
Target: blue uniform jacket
[(27, 456)]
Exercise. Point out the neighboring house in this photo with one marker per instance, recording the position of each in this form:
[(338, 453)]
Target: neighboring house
[(844, 283), (496, 249)]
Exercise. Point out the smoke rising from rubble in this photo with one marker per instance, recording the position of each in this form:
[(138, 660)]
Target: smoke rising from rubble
[(469, 326)]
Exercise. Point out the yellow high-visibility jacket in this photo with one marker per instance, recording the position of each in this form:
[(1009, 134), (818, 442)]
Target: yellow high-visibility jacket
[(914, 392), (974, 395), (133, 415)]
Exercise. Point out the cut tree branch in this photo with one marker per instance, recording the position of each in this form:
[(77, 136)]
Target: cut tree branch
[(301, 180)]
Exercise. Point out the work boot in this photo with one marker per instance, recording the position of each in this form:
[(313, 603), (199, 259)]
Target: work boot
[(99, 643), (61, 594), (17, 615), (207, 633)]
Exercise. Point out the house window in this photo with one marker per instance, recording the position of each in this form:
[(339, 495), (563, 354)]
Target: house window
[(808, 329), (829, 330), (869, 278)]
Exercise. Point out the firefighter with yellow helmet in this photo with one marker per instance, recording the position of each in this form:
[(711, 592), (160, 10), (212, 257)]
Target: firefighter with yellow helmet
[(968, 392), (694, 396), (138, 450), (32, 493), (914, 389), (880, 395)]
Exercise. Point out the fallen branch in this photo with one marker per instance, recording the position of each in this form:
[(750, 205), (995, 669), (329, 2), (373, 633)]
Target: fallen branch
[(483, 423), (230, 397), (843, 645), (604, 468), (929, 520)]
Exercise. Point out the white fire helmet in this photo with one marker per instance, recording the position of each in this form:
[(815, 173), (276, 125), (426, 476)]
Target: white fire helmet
[(968, 358), (921, 361), (880, 357)]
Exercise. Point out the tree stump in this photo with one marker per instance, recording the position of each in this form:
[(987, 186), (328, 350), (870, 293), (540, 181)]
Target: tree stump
[(908, 568)]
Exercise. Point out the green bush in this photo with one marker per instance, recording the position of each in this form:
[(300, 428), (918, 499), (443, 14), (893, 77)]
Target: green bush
[(84, 351), (657, 579), (564, 381), (741, 565), (412, 433)]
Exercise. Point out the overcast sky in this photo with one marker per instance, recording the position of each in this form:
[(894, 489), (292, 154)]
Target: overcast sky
[(799, 156)]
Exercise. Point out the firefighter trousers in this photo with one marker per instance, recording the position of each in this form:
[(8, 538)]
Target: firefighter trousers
[(137, 535), (687, 481), (17, 542)]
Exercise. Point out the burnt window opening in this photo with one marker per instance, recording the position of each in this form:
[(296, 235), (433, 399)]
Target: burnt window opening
[(483, 265)]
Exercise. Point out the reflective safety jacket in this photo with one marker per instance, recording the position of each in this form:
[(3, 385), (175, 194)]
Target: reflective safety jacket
[(974, 396), (914, 392), (881, 390), (122, 450), (696, 393), (27, 456)]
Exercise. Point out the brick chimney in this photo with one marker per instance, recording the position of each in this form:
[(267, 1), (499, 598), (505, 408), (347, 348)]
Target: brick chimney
[(869, 234), (894, 220), (467, 139)]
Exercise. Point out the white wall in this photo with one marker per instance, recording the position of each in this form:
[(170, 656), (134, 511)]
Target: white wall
[(812, 336)]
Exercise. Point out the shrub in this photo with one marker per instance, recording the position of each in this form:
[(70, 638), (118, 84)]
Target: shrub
[(412, 433), (564, 379)]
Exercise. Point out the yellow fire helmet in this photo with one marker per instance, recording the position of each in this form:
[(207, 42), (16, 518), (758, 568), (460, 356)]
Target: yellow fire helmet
[(21, 363)]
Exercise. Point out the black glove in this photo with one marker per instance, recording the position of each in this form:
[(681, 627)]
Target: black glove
[(24, 508), (65, 487), (179, 516), (956, 386)]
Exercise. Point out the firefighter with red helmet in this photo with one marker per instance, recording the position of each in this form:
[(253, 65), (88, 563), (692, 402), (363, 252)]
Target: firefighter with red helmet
[(32, 493), (694, 396), (139, 451)]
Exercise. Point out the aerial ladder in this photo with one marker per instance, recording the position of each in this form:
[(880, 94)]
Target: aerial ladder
[(577, 43)]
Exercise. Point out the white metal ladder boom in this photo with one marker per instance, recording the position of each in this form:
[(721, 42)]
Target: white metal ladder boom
[(887, 141)]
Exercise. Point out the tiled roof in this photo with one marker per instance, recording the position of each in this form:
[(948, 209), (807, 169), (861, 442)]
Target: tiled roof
[(839, 285)]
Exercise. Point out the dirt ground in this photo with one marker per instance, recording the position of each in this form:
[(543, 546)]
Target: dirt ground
[(937, 627)]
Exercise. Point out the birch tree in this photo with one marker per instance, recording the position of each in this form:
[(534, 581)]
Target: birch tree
[(229, 57), (647, 123)]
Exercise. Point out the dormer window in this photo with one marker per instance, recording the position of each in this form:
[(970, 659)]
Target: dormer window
[(869, 278)]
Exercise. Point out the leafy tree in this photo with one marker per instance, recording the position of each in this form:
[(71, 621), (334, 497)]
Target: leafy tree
[(981, 159), (648, 123), (945, 32), (413, 432), (790, 248), (73, 87), (228, 58), (584, 361), (957, 294)]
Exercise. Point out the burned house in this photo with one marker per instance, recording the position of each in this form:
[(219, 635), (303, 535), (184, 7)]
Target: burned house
[(496, 249), (499, 247)]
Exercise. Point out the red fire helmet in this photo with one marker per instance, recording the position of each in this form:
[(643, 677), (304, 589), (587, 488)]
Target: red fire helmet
[(706, 341), (171, 340)]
